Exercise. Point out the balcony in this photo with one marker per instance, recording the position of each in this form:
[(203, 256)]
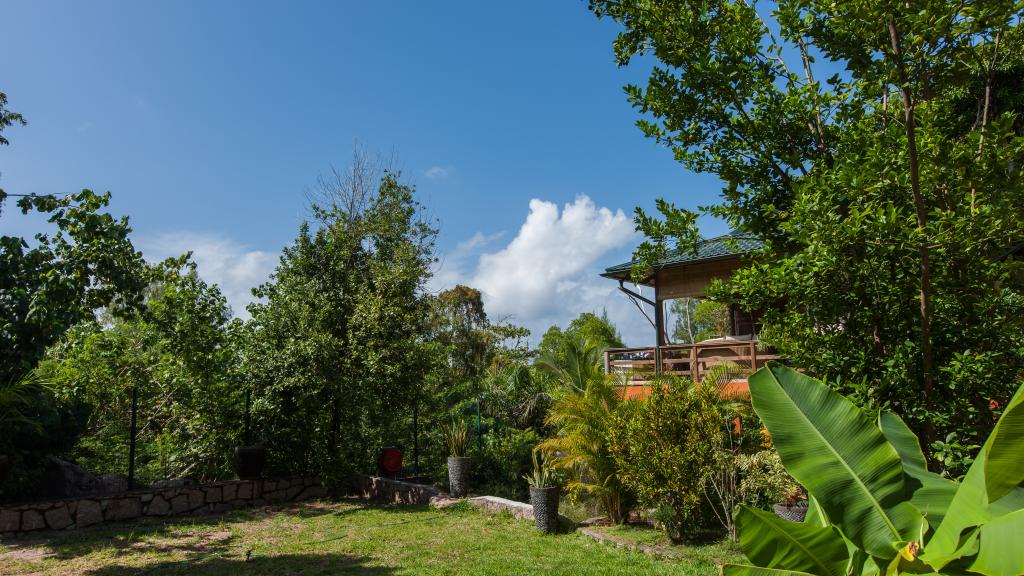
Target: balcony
[(639, 365)]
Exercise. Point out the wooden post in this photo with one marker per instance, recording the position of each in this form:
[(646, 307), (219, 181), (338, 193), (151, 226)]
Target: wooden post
[(694, 370), (659, 341), (607, 363), (753, 356)]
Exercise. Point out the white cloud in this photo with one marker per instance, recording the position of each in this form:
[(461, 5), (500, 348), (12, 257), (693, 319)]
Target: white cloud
[(437, 172), (548, 273), (234, 267)]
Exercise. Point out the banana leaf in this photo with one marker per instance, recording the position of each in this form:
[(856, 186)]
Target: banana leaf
[(771, 542), (1000, 551), (1004, 470), (835, 451), (737, 570), (928, 492), (972, 505)]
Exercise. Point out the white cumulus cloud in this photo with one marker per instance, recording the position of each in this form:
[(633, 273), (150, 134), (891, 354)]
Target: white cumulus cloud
[(233, 266), (548, 273)]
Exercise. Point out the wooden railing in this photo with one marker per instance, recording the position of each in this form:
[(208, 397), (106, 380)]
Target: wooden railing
[(690, 360)]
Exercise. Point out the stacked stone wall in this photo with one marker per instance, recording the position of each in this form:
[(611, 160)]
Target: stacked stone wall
[(394, 491), (72, 513)]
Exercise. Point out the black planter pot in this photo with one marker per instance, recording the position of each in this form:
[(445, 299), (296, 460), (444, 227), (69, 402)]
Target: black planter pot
[(458, 475), (545, 508), (249, 461), (791, 513)]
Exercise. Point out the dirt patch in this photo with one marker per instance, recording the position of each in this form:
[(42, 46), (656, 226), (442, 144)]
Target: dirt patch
[(26, 554)]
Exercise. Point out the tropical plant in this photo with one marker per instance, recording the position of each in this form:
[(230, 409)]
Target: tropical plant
[(583, 420), (575, 364), (456, 438), (16, 399), (874, 506), (541, 476)]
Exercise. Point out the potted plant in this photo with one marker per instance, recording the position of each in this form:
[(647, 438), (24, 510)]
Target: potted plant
[(456, 438), (544, 494), (793, 508)]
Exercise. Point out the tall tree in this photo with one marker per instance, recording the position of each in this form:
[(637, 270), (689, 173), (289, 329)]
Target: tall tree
[(875, 146), (334, 346)]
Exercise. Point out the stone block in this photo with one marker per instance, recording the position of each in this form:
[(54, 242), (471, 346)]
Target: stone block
[(10, 520), (196, 498), (245, 491), (32, 520), (294, 491), (230, 492), (214, 494), (58, 518), (269, 485), (123, 508), (179, 504), (158, 507), (146, 497), (88, 513)]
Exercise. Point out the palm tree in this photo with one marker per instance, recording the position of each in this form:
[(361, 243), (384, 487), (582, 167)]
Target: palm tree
[(582, 413)]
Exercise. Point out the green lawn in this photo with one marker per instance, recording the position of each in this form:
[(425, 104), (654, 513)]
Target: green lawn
[(338, 538)]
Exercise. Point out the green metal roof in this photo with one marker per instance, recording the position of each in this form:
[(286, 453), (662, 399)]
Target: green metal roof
[(710, 249)]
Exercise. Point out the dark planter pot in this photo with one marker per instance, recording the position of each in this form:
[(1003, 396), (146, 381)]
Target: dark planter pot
[(545, 508), (458, 475), (249, 461), (791, 513)]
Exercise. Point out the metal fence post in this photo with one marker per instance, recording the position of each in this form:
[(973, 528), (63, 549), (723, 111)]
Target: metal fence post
[(131, 440)]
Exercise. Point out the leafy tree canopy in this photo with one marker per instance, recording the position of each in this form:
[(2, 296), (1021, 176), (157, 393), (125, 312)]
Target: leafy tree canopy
[(876, 148)]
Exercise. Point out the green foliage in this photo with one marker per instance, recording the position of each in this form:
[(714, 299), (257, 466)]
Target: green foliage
[(764, 480), (335, 349), (667, 449), (587, 327), (61, 279), (7, 118), (505, 459), (697, 320), (542, 476), (875, 505), (16, 400), (179, 352), (888, 194), (456, 439), (583, 419)]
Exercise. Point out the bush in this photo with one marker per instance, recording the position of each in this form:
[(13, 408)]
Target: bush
[(667, 449), (505, 459)]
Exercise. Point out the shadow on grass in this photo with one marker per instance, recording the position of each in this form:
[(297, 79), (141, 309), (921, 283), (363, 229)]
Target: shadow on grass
[(323, 563)]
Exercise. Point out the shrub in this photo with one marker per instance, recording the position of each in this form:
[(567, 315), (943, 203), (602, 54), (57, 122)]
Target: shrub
[(667, 448)]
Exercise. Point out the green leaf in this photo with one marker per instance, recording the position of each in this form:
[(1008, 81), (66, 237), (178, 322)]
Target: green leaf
[(929, 492), (1000, 550), (1003, 469), (771, 542), (737, 570), (815, 515), (834, 450), (971, 505)]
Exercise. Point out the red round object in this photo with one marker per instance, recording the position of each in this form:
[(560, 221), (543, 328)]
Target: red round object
[(391, 461)]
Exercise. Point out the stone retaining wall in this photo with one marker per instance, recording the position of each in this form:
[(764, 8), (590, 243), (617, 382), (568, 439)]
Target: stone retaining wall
[(74, 513), (388, 490)]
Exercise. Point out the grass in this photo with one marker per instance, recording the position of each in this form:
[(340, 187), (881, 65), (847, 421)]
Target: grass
[(336, 538), (711, 553)]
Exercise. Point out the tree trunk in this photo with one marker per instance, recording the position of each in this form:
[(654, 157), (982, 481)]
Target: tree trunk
[(927, 356)]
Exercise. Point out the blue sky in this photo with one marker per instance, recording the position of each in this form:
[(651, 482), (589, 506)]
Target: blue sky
[(209, 120)]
